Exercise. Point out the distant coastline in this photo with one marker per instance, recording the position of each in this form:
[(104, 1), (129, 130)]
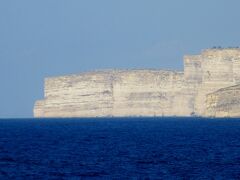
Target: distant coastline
[(209, 86)]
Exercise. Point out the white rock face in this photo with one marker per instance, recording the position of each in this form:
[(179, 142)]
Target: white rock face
[(142, 92), (224, 102)]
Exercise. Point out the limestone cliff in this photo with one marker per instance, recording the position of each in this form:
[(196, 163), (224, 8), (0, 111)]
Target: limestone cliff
[(142, 92), (224, 102)]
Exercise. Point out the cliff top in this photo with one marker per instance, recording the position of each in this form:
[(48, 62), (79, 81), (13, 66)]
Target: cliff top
[(116, 71), (235, 51)]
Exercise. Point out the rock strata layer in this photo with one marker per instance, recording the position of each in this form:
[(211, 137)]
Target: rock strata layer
[(147, 92), (224, 102)]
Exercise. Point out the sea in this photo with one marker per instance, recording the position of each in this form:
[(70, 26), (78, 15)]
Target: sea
[(120, 148)]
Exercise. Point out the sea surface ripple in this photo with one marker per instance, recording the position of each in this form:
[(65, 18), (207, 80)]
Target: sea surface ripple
[(120, 148)]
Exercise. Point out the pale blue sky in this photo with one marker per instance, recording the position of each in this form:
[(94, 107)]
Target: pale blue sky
[(56, 37)]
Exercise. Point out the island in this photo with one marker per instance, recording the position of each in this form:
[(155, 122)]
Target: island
[(209, 86)]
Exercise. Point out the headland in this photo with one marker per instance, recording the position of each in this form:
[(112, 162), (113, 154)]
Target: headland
[(209, 86)]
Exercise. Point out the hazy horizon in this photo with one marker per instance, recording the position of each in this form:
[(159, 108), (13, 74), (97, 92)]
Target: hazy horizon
[(44, 38)]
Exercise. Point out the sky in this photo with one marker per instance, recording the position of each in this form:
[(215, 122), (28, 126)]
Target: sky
[(46, 38)]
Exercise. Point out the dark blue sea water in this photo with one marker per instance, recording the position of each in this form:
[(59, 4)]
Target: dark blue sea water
[(120, 148)]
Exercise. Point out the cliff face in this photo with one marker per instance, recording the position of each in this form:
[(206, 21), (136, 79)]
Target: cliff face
[(113, 93), (142, 92), (224, 102)]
